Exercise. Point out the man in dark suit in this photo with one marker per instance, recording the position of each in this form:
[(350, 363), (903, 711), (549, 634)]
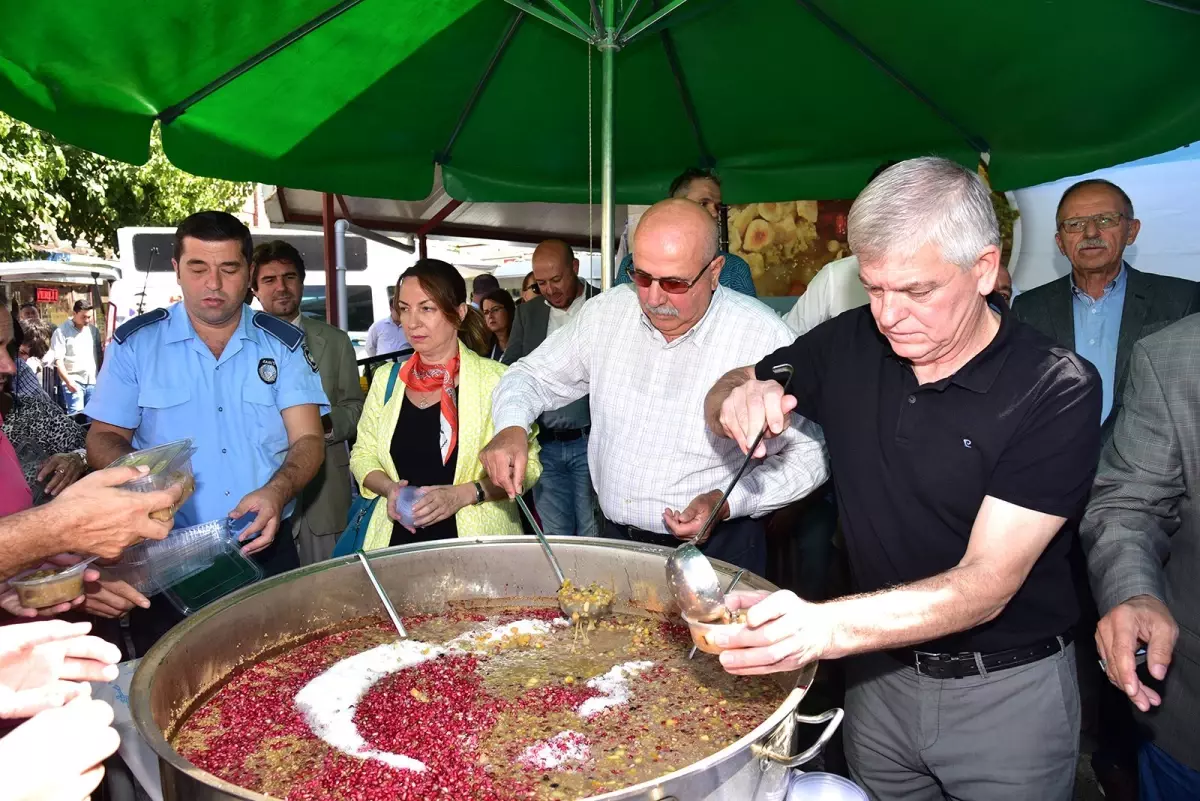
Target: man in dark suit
[(564, 495), (1141, 533), (1099, 310), (1103, 305)]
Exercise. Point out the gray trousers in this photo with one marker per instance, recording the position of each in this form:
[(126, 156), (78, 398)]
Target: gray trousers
[(1013, 734)]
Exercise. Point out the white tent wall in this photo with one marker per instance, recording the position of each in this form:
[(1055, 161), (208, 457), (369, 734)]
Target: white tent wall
[(1165, 191)]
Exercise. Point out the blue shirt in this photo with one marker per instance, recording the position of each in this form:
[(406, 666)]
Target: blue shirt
[(735, 274), (1097, 327), (163, 382)]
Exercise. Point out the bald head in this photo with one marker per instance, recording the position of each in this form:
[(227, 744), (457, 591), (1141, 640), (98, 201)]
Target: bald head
[(678, 227), (556, 272), (676, 243)]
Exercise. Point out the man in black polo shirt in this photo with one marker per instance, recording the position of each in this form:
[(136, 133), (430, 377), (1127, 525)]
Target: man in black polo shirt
[(963, 444)]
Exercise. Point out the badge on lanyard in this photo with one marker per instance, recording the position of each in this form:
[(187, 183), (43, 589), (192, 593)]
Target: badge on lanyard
[(267, 371), (308, 357)]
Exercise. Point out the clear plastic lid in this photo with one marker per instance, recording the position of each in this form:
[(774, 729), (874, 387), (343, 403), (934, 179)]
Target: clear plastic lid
[(823, 787)]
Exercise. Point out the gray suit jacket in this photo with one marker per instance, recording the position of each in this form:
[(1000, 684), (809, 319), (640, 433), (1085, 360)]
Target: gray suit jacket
[(1141, 531), (325, 502), (529, 331), (1152, 302)]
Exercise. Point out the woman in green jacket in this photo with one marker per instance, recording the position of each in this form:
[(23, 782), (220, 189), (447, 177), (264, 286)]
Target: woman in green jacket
[(429, 434)]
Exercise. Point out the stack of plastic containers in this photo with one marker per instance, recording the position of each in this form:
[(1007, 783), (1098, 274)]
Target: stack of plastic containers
[(194, 565)]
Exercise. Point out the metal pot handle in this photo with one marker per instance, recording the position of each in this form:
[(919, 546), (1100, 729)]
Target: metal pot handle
[(834, 716)]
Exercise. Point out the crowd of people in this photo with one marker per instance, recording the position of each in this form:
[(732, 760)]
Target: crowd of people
[(1013, 477)]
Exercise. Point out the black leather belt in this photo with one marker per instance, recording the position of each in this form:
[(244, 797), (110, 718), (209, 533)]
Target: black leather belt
[(562, 434), (962, 665)]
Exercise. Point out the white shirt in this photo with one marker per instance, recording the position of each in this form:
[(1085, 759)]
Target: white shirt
[(836, 288), (560, 317), (75, 349), (385, 336), (649, 448)]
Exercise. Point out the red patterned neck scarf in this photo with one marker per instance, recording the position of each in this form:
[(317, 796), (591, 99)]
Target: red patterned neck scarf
[(417, 376)]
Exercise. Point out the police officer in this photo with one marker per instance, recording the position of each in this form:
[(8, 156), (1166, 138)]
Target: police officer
[(241, 384)]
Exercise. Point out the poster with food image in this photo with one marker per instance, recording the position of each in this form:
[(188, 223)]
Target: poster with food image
[(786, 243)]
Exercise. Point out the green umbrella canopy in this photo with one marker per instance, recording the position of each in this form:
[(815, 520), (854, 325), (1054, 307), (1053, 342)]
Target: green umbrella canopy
[(789, 99)]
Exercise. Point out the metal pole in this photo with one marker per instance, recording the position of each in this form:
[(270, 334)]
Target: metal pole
[(608, 54), (342, 305), (331, 258)]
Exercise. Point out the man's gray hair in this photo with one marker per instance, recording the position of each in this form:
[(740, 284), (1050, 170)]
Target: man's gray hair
[(920, 202)]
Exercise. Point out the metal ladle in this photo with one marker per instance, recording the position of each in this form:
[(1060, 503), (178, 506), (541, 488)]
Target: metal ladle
[(584, 610), (387, 603), (689, 573)]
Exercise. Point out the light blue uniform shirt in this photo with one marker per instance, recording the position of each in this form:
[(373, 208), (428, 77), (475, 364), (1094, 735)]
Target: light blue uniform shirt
[(162, 381), (1097, 328)]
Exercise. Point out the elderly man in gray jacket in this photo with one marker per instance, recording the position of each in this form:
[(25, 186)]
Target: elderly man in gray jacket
[(1141, 534)]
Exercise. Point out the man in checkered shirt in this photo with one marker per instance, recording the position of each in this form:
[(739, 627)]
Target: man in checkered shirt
[(646, 354)]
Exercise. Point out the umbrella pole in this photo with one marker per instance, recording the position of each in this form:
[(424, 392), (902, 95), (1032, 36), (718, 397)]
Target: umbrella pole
[(608, 53)]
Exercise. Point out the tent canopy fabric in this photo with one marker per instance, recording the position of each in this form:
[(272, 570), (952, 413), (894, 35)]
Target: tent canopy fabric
[(791, 99)]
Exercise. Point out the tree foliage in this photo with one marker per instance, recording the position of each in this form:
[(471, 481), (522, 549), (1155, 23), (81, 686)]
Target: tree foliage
[(51, 190)]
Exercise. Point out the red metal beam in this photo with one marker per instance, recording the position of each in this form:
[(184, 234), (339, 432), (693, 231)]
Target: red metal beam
[(281, 196), (327, 219), (341, 199), (454, 229), (433, 222)]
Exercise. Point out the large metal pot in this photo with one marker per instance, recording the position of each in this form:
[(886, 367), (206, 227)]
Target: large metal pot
[(202, 651)]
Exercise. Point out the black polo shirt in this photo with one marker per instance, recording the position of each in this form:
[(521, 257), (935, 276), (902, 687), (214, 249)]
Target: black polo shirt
[(911, 464)]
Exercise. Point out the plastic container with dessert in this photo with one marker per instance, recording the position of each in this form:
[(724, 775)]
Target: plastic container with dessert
[(704, 634), (48, 586), (170, 464)]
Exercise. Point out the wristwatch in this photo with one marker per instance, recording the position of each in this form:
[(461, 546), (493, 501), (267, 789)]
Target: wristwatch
[(480, 497)]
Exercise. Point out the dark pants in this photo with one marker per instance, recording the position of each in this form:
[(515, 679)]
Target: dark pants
[(1163, 778), (741, 542), (147, 626)]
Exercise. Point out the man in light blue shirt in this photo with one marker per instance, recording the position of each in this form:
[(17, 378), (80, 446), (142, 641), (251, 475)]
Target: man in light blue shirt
[(1104, 305), (241, 384)]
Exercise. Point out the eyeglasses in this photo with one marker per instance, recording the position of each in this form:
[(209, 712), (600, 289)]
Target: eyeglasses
[(672, 286), (1076, 225), (492, 311)]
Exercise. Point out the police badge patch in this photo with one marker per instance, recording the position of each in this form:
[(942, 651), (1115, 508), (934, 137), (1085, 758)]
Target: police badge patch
[(268, 371), (308, 357)]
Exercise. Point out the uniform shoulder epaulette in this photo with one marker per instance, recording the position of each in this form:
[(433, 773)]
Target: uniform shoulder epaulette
[(285, 332), (127, 329)]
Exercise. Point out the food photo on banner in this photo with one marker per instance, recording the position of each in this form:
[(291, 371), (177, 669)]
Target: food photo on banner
[(787, 243)]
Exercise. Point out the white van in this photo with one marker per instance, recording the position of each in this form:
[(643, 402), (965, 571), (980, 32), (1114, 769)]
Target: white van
[(148, 280)]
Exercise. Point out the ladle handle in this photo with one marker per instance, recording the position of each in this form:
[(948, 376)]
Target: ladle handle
[(387, 603), (558, 572), (779, 369)]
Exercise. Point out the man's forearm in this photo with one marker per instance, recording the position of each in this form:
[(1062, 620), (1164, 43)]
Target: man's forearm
[(304, 459), (28, 537), (720, 391), (956, 600), (105, 447)]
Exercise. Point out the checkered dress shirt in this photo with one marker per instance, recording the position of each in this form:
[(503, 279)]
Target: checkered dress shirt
[(649, 448)]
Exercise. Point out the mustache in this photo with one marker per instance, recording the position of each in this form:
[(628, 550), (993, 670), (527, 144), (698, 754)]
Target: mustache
[(1092, 242), (664, 310)]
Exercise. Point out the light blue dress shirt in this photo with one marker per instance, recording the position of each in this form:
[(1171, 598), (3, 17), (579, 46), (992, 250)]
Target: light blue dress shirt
[(163, 382), (1097, 328)]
